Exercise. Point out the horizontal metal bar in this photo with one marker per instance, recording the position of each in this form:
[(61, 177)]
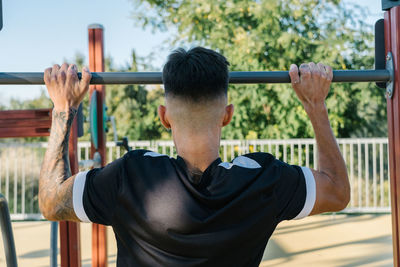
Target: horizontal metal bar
[(239, 77)]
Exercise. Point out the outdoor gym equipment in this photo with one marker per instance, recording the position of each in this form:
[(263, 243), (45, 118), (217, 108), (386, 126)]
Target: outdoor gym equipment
[(238, 77), (37, 122), (1, 16), (93, 126), (7, 233)]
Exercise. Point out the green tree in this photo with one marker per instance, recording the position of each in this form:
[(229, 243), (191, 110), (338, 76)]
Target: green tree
[(135, 106), (41, 101), (270, 35)]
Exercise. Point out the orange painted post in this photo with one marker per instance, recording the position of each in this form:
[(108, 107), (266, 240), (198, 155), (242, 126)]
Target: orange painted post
[(70, 231), (96, 64), (392, 44)]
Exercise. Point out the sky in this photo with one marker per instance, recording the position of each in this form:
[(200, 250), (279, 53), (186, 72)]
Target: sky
[(38, 34)]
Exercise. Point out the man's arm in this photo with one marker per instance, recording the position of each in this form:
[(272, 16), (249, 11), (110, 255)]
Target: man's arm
[(332, 184), (55, 183)]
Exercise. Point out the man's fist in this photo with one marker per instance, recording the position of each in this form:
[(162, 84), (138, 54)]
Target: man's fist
[(311, 83), (64, 87)]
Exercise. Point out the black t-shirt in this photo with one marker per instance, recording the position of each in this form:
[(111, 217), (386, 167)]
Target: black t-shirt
[(161, 217)]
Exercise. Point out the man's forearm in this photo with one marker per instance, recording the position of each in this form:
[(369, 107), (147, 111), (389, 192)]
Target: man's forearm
[(55, 168), (330, 160)]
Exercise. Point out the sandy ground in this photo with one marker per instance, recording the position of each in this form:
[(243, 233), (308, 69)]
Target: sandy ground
[(324, 240)]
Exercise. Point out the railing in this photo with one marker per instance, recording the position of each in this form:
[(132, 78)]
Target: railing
[(366, 159)]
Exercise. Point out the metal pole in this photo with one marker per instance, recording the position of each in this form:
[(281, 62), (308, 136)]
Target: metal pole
[(96, 63), (53, 244), (6, 230), (70, 245), (1, 16), (242, 77), (392, 45)]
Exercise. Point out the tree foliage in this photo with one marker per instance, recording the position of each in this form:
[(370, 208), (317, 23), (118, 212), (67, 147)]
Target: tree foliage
[(133, 106), (270, 35), (254, 36)]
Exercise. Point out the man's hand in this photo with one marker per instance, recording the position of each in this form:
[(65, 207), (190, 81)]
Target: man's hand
[(55, 181), (312, 86), (332, 184), (64, 87)]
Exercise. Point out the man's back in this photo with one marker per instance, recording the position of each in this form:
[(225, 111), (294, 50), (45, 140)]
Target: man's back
[(161, 216)]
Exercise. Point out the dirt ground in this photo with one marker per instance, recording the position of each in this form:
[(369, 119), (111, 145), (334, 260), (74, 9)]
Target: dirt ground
[(324, 240)]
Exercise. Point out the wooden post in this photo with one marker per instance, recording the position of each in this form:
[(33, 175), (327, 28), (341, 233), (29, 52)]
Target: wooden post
[(25, 123), (96, 64), (392, 44), (70, 231)]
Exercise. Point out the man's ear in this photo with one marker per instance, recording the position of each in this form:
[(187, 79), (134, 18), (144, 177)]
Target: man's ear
[(162, 110), (228, 115)]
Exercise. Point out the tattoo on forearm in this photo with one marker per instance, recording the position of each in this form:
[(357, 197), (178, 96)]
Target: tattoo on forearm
[(55, 190)]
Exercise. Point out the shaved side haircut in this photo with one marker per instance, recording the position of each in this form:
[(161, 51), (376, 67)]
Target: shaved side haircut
[(196, 75)]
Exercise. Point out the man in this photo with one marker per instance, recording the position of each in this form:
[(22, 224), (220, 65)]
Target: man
[(194, 210)]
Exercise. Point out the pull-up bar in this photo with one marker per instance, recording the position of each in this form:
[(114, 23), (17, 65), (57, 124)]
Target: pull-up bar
[(241, 77)]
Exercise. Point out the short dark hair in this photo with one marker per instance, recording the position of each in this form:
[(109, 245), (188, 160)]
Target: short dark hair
[(197, 74)]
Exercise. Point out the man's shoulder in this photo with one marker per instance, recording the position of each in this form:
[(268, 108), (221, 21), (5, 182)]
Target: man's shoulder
[(255, 160), (146, 162), (261, 158), (144, 154)]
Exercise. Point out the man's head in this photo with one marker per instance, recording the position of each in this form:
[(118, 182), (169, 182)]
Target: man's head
[(196, 83), (196, 75)]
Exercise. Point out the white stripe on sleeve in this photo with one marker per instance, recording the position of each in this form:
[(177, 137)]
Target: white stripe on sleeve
[(311, 194), (77, 196)]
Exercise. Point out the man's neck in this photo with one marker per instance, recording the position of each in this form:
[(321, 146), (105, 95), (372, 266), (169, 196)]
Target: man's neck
[(198, 151)]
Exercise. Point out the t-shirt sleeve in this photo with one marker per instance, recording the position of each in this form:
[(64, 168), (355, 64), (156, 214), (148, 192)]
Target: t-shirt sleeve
[(95, 193), (295, 192)]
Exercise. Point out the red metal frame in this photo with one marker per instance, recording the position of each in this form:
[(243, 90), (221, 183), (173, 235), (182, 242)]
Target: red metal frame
[(70, 248), (70, 231), (96, 64), (392, 44)]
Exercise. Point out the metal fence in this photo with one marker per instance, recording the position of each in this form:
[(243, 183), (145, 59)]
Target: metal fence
[(366, 159)]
